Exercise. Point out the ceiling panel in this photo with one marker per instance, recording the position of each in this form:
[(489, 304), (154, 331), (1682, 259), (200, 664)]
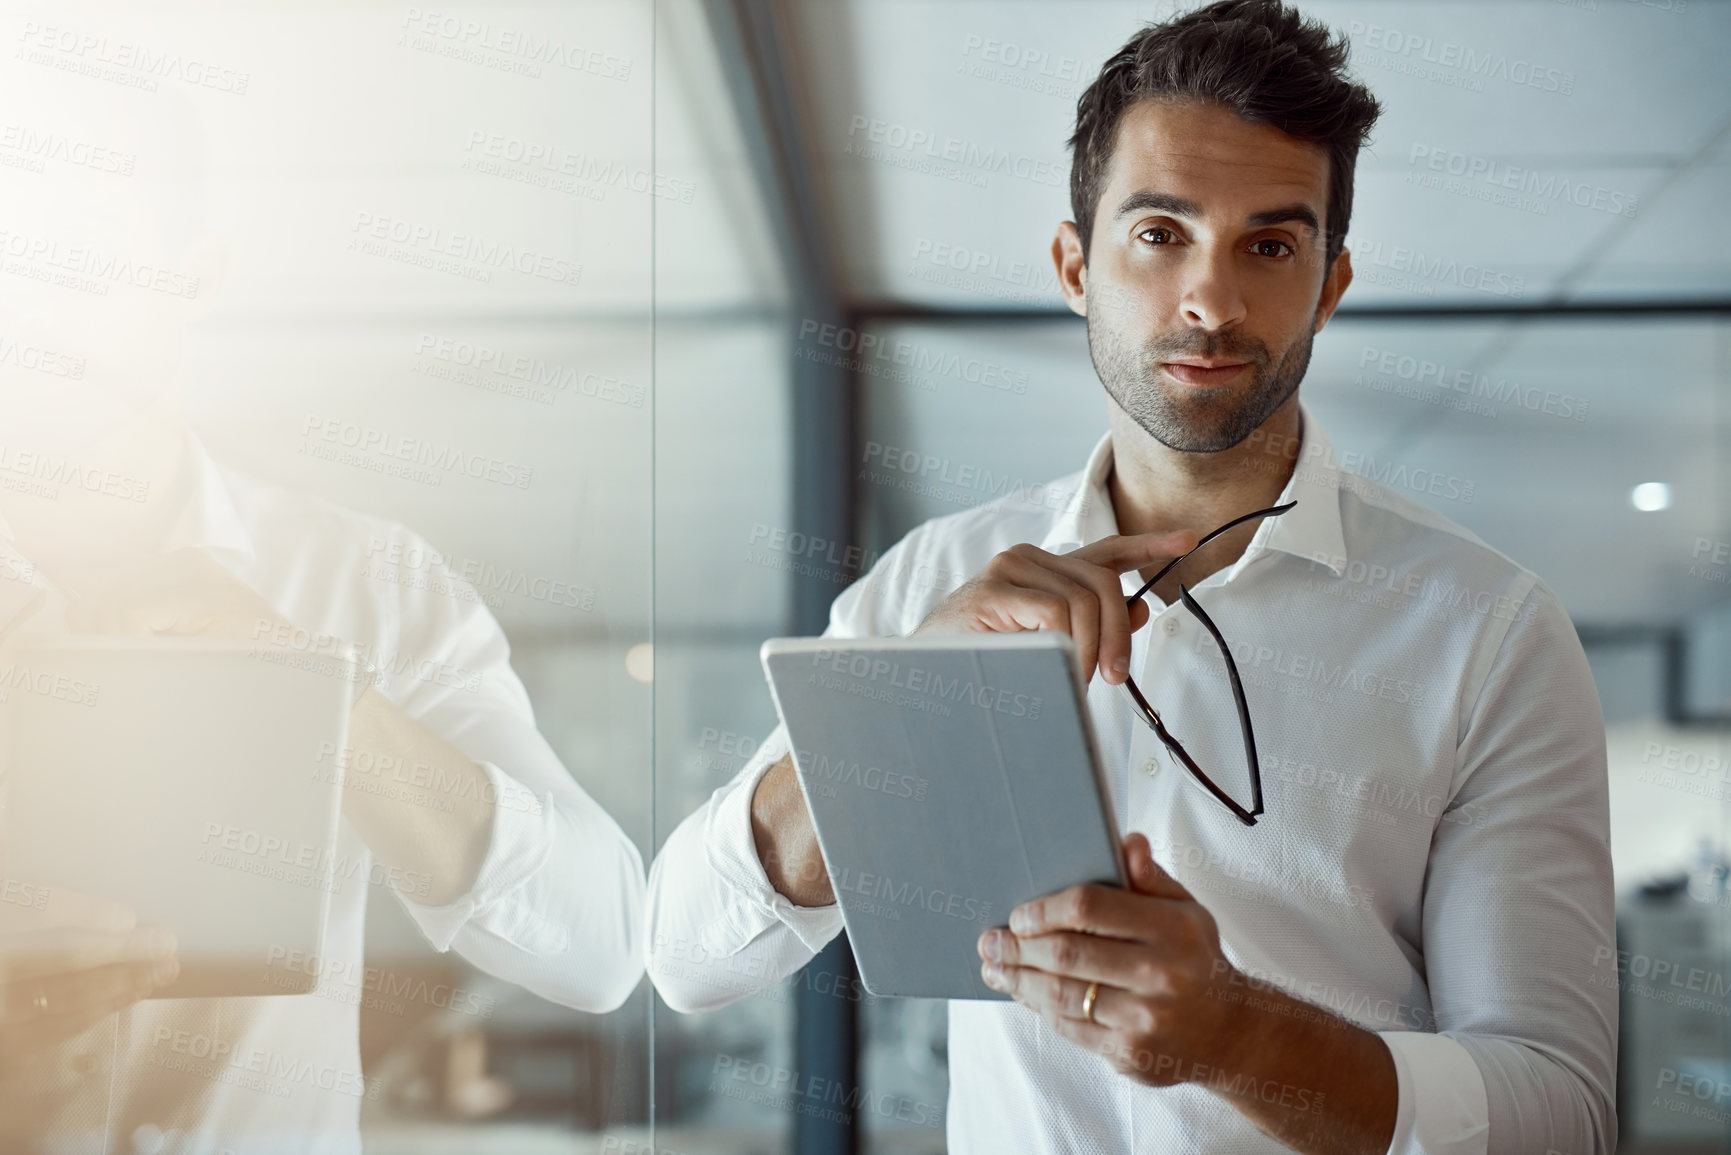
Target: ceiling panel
[(1537, 148)]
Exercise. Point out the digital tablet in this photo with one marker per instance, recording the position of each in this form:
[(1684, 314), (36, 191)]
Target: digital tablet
[(194, 781), (950, 780)]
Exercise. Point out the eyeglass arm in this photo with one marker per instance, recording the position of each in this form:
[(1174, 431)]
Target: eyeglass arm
[(1152, 717), (1272, 511), (1195, 607)]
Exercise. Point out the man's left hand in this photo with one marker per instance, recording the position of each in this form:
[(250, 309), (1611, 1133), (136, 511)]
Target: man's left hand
[(1162, 1006)]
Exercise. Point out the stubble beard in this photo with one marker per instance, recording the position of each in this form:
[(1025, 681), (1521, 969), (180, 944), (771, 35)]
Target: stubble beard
[(1190, 418)]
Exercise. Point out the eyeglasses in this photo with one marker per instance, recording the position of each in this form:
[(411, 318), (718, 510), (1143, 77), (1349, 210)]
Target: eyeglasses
[(1152, 716)]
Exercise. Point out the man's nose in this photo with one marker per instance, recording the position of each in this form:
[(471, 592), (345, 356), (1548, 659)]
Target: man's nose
[(1212, 297)]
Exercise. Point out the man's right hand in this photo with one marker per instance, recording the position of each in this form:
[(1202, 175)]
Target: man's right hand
[(65, 968), (1080, 593), (1023, 588)]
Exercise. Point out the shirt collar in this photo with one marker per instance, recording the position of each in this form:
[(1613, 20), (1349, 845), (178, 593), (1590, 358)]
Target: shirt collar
[(1088, 515), (205, 515), (1311, 530), (197, 507)]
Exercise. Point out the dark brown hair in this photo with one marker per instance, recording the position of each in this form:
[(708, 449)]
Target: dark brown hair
[(1258, 58)]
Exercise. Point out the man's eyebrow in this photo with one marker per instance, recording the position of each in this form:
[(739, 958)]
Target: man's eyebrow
[(1302, 213), (1146, 200)]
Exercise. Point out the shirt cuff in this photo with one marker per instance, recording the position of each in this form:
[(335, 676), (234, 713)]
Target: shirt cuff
[(1442, 1107), (732, 853), (521, 838)]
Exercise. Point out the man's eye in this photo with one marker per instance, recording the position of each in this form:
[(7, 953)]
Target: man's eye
[(1158, 236), (1269, 247)]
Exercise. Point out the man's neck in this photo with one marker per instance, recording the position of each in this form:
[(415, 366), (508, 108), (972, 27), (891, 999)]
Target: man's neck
[(1157, 489)]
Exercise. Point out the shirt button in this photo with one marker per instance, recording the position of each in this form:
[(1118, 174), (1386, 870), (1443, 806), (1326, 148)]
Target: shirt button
[(1151, 767), (1170, 625)]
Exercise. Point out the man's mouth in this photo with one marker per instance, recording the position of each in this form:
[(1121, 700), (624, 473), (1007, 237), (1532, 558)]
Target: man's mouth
[(1204, 371)]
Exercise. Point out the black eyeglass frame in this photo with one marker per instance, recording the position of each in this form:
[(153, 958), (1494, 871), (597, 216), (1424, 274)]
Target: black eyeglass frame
[(1151, 716)]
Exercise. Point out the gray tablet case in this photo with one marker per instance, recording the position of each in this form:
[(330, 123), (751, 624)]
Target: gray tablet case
[(950, 779)]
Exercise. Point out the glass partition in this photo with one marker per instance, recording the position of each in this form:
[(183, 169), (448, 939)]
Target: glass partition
[(329, 382)]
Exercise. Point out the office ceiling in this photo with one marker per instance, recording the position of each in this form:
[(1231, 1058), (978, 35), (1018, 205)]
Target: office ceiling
[(943, 124)]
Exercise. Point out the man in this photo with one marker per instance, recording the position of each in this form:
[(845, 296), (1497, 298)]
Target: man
[(1398, 955), (501, 856)]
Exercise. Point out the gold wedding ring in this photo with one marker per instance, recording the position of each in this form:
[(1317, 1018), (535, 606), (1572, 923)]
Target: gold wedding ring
[(1088, 1002)]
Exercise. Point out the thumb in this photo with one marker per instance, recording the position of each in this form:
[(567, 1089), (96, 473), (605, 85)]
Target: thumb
[(1139, 614), (1146, 876)]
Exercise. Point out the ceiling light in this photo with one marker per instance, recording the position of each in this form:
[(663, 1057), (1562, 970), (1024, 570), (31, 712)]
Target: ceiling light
[(1650, 496), (640, 662)]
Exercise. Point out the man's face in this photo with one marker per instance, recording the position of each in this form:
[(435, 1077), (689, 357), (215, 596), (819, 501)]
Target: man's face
[(1205, 284)]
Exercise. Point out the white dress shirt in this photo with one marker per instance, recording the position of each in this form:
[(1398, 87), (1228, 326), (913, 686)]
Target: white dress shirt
[(556, 907), (1433, 865)]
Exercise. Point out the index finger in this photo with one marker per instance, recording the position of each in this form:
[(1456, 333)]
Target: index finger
[(59, 950), (1091, 909), (1122, 553)]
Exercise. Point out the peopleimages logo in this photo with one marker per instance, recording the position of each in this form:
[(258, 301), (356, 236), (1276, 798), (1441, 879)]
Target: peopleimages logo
[(864, 132), (34, 147), (136, 65), (40, 360), (505, 47), (1462, 61), (918, 680), (902, 894), (1305, 668), (828, 774), (1020, 66), (945, 480), (89, 269), (256, 1068), (862, 348), (540, 162), (23, 894), (988, 267), (814, 1096), (423, 244), (1401, 267), (56, 473), (330, 971), (47, 684), (534, 378), (1478, 386), (1500, 176), (382, 451)]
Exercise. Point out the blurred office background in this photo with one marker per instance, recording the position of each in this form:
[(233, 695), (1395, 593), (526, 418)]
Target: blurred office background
[(761, 254)]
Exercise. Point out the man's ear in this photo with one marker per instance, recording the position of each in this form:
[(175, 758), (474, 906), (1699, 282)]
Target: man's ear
[(1333, 288), (1072, 272)]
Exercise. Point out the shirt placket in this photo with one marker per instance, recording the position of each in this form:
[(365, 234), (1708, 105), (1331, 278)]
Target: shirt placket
[(1150, 777)]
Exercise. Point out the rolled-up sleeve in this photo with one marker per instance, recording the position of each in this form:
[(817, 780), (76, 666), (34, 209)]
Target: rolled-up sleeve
[(1441, 1096), (716, 930), (1519, 913), (557, 904)]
